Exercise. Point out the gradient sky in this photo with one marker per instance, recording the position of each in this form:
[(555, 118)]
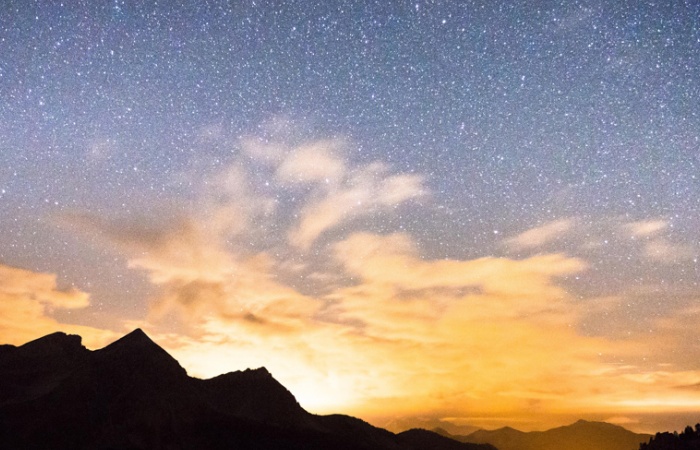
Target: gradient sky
[(484, 212)]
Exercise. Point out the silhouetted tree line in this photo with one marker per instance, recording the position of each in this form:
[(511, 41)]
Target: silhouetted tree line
[(688, 439)]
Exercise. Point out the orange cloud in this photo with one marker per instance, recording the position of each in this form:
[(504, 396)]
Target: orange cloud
[(388, 331), (661, 250), (408, 330), (26, 302), (493, 336)]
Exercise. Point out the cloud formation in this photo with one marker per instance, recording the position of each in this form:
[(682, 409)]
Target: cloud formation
[(539, 236), (657, 248), (364, 191), (27, 300), (315, 162), (269, 265), (335, 190), (415, 332), (645, 228)]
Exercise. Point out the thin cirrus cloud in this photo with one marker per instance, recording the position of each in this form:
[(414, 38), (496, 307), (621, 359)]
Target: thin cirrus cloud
[(657, 248), (194, 257), (339, 191), (541, 235), (315, 162), (646, 234), (364, 192), (393, 318), (645, 228)]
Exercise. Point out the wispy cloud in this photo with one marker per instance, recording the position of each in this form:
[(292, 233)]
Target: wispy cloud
[(364, 191), (417, 331), (541, 235), (333, 190), (645, 228), (657, 248), (315, 162), (664, 251)]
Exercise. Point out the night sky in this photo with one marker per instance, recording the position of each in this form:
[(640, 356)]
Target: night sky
[(483, 212)]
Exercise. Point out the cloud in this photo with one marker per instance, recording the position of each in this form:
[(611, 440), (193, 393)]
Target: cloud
[(41, 287), (364, 191), (329, 187), (199, 276), (663, 251), (313, 163), (657, 248), (622, 420), (393, 259), (408, 330), (645, 228), (365, 320), (539, 236), (263, 150), (27, 300), (496, 336)]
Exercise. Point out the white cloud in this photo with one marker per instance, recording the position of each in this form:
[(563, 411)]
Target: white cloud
[(313, 163), (539, 236), (663, 251), (364, 191), (645, 228)]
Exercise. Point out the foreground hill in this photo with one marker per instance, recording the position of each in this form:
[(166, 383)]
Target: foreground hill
[(688, 439), (56, 394), (581, 435)]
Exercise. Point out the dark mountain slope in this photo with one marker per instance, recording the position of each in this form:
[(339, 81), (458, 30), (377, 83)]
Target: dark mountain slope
[(33, 369), (131, 394)]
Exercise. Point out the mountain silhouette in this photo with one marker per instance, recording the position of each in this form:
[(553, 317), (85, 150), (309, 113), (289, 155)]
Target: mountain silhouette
[(131, 394), (399, 424), (688, 439), (582, 435), (428, 439)]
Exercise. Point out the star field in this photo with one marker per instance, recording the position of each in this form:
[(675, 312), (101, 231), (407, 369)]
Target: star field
[(150, 153)]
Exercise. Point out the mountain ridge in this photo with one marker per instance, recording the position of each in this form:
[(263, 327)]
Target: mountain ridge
[(580, 435), (132, 394)]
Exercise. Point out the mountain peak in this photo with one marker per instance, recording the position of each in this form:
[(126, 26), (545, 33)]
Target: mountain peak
[(55, 341), (137, 340), (138, 335), (259, 373), (585, 424), (137, 350)]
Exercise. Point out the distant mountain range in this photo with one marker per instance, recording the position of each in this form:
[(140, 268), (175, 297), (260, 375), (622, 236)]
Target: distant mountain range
[(131, 394), (581, 435), (428, 423)]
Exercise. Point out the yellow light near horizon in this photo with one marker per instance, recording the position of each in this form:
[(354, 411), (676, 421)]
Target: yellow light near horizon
[(317, 391), (662, 404)]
